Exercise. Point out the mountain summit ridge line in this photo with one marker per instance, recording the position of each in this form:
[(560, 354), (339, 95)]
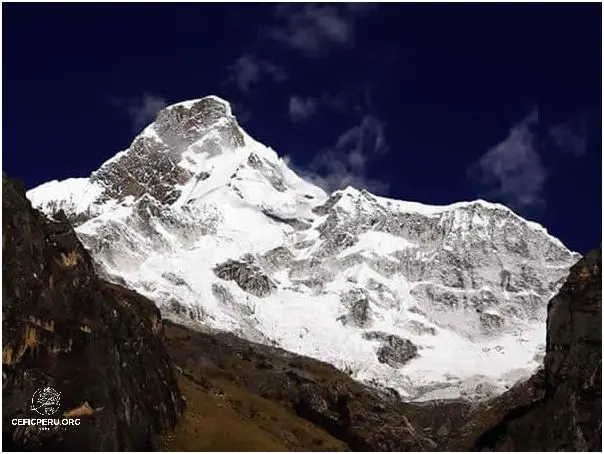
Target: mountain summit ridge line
[(433, 301)]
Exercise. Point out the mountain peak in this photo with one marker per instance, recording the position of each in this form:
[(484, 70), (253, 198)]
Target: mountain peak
[(184, 123), (192, 104), (155, 162), (197, 215), (189, 120)]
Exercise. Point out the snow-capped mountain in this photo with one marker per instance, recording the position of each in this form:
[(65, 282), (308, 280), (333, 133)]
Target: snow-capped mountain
[(433, 301)]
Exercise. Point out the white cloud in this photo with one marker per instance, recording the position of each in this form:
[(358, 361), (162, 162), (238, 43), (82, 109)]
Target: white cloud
[(300, 108), (346, 101), (249, 70), (367, 136), (345, 163), (571, 137), (512, 170), (141, 111), (314, 28)]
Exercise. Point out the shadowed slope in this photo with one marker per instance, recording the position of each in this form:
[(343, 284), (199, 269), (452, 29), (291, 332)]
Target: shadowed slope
[(99, 345)]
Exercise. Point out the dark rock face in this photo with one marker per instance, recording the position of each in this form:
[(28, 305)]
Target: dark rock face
[(247, 275), (324, 209), (254, 161), (394, 351), (180, 126), (278, 257), (358, 309), (567, 416), (99, 345), (491, 321), (150, 167), (297, 224), (574, 328)]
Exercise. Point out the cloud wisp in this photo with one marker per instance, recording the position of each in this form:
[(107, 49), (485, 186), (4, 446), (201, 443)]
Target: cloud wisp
[(141, 111), (249, 70), (345, 162), (300, 108), (571, 137), (314, 29), (513, 171)]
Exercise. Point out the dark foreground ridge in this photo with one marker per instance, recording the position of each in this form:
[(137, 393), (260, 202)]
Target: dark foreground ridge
[(103, 348), (97, 344)]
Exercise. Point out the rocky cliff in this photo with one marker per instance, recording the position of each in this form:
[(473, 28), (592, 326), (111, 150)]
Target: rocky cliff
[(98, 345), (566, 414)]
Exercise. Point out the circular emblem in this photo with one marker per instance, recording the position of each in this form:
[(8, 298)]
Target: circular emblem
[(45, 401)]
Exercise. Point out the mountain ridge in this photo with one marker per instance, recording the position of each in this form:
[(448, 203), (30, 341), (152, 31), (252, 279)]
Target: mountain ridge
[(349, 277)]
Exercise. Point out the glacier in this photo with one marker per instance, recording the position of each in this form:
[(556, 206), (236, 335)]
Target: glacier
[(429, 301)]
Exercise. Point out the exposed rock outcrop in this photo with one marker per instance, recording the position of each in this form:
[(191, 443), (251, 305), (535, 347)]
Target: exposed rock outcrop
[(152, 165), (394, 350), (567, 413), (278, 258), (357, 305), (97, 344), (297, 224), (247, 275)]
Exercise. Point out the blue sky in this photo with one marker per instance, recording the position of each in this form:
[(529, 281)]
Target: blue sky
[(423, 102)]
